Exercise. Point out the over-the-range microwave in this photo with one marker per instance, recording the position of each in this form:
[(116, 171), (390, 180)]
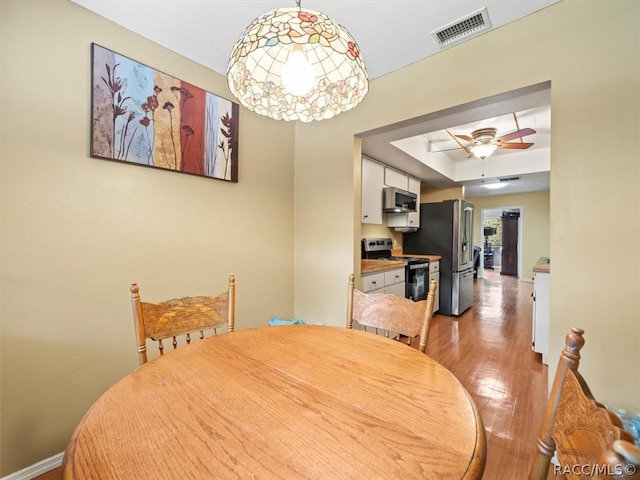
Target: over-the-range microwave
[(396, 200)]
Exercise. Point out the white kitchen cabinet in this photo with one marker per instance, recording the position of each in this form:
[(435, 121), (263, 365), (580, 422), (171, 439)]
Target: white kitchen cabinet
[(412, 219), (396, 289), (372, 185), (394, 282), (541, 284), (394, 178), (390, 281), (434, 274), (372, 281), (375, 177)]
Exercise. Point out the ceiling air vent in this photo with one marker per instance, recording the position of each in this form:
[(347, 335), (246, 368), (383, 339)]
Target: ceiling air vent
[(463, 29)]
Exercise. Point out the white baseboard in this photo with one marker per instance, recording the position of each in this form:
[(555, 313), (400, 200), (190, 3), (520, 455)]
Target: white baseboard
[(36, 469)]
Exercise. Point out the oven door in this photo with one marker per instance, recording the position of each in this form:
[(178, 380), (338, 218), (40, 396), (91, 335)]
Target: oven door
[(416, 275)]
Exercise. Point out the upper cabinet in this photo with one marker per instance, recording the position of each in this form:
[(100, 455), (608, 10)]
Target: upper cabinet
[(394, 178), (413, 218), (401, 180), (372, 185), (375, 177)]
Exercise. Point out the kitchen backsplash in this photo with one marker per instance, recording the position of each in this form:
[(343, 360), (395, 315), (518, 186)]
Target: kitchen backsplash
[(381, 231)]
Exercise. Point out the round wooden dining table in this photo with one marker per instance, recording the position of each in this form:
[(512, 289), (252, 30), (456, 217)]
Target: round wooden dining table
[(283, 402)]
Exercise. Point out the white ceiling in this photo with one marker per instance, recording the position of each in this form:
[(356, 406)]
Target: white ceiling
[(205, 30)]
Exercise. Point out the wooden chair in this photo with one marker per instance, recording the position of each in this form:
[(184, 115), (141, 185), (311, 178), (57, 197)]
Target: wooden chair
[(581, 430), (181, 317), (391, 313)]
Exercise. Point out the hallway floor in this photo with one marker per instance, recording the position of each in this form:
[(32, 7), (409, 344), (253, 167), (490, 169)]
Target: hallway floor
[(488, 348)]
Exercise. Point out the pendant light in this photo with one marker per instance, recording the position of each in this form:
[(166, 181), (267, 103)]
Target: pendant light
[(297, 64)]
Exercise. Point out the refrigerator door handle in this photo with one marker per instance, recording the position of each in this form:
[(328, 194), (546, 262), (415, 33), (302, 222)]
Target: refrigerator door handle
[(467, 230)]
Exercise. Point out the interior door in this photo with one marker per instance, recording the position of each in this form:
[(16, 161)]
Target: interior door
[(510, 243)]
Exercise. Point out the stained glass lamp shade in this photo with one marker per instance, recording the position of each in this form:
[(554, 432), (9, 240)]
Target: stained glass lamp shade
[(297, 64)]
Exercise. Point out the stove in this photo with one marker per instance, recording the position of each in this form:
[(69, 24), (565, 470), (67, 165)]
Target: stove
[(374, 248), (416, 271), (381, 248)]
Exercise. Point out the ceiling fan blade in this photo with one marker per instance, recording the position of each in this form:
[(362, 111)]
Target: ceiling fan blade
[(520, 146), (518, 134), (457, 141), (466, 138)]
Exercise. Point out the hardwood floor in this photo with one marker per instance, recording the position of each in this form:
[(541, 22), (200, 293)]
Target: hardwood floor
[(488, 349), (55, 474)]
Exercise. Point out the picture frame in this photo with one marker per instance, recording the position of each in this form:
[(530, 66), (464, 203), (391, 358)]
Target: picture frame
[(146, 117)]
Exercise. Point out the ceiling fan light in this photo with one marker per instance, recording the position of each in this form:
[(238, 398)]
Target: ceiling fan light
[(297, 64), (483, 150)]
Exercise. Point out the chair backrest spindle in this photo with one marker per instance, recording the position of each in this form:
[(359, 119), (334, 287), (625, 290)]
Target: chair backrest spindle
[(431, 300)]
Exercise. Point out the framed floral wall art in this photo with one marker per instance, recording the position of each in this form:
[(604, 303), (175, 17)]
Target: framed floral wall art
[(143, 116)]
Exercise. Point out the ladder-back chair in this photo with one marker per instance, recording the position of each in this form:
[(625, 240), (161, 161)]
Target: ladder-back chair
[(387, 313), (180, 317), (588, 439)]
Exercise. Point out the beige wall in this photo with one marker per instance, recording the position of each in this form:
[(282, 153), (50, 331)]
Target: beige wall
[(76, 231), (594, 76), (535, 224), (382, 231), (428, 194)]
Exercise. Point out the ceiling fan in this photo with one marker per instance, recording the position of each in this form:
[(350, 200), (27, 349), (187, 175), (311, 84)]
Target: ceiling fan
[(483, 141)]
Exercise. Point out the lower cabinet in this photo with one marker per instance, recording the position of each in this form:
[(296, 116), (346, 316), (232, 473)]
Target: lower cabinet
[(391, 281), (541, 284), (434, 274)]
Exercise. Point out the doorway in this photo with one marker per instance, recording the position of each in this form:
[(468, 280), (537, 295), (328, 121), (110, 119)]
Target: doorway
[(493, 244)]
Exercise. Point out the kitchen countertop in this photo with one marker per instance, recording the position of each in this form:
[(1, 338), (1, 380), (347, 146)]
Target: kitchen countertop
[(543, 265), (375, 266)]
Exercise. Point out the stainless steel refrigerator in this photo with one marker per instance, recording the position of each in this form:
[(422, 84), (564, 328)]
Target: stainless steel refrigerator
[(446, 229)]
